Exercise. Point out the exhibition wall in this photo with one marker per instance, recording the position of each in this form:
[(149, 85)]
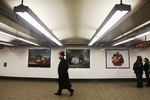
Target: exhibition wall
[(14, 63)]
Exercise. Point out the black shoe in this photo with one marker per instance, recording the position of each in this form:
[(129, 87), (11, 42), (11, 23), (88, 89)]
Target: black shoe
[(148, 85), (140, 86), (72, 91), (58, 94)]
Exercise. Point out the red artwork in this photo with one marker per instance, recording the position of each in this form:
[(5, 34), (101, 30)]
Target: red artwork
[(117, 59)]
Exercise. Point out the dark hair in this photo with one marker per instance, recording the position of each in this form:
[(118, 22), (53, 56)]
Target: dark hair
[(139, 58), (146, 59)]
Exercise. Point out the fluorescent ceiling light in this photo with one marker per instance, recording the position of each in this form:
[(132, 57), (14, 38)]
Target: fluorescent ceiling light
[(123, 35), (146, 33), (127, 40), (26, 13), (114, 16), (4, 43), (27, 41), (130, 39), (133, 30)]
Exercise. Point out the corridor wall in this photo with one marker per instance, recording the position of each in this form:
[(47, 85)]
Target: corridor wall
[(16, 59)]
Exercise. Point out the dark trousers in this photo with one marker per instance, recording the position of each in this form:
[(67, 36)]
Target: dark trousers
[(139, 79), (147, 78), (60, 90)]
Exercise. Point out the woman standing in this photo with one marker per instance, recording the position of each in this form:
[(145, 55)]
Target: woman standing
[(138, 70), (146, 69)]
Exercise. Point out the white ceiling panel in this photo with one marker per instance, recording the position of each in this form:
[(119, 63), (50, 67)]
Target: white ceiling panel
[(72, 20)]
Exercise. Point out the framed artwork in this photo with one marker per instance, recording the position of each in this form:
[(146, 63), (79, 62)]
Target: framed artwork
[(78, 58), (117, 58), (39, 58)]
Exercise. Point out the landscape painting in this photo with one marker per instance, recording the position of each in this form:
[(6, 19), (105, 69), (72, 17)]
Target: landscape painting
[(39, 58)]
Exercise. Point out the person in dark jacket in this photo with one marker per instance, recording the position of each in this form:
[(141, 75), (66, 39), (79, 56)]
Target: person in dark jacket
[(63, 79), (138, 70), (146, 69)]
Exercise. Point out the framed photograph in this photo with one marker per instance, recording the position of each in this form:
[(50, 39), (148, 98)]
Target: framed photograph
[(39, 58), (78, 58), (117, 58)]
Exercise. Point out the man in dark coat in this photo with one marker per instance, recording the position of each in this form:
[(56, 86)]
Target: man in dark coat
[(63, 80)]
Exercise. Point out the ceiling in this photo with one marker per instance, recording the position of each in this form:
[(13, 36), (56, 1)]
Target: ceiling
[(73, 22)]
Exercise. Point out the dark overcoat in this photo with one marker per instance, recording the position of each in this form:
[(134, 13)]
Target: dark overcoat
[(146, 67), (138, 70), (138, 67), (63, 79)]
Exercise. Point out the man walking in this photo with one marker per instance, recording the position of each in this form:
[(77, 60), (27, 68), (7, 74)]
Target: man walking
[(63, 79)]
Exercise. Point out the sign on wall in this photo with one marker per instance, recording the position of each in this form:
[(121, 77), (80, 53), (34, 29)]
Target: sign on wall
[(117, 58), (39, 58), (78, 58)]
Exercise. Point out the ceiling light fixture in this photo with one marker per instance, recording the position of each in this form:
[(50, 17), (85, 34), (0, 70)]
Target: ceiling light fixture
[(26, 13), (141, 32), (8, 44), (130, 39), (134, 29), (113, 17), (19, 38), (127, 40)]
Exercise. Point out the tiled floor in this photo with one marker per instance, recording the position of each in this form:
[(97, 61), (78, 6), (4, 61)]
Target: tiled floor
[(20, 89)]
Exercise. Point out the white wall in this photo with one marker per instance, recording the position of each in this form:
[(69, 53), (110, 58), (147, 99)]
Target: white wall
[(17, 64)]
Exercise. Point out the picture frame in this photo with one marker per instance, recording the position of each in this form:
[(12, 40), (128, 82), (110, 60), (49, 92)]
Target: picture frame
[(117, 59), (39, 58), (78, 58)]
